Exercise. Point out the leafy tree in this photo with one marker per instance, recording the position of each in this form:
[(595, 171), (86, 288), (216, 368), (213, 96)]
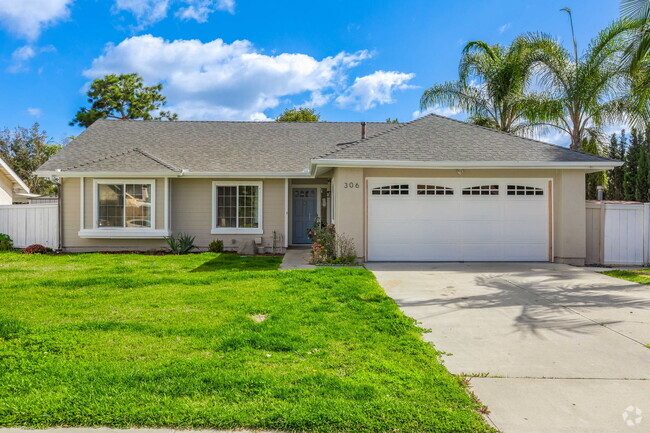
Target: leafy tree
[(581, 94), (632, 160), (637, 54), (122, 97), (26, 149), (395, 120), (491, 86), (300, 114), (593, 180)]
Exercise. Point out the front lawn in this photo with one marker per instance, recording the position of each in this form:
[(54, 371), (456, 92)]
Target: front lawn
[(642, 276), (214, 341)]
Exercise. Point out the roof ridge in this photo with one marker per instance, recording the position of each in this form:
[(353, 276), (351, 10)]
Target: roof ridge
[(348, 145), (158, 160), (510, 134), (262, 122), (92, 161)]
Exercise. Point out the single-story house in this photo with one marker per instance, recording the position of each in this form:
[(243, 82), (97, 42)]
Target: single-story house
[(434, 189), (12, 188)]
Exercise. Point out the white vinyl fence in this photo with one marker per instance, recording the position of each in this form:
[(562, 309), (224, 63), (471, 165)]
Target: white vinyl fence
[(618, 233), (29, 224)]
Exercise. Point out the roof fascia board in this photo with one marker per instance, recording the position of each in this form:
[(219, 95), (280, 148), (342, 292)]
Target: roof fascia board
[(13, 175), (186, 174), (466, 164)]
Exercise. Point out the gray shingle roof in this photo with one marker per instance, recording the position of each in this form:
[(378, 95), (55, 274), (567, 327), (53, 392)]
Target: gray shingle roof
[(238, 147), (437, 138), (285, 147)]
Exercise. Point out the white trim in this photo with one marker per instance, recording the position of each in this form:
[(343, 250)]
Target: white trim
[(166, 217), (286, 212), (134, 230), (13, 175), (123, 233), (235, 230), (465, 164), (188, 174), (82, 201)]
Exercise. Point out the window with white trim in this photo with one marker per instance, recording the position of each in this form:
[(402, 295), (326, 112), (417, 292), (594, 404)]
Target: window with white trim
[(401, 189), (124, 205), (237, 207), (481, 190), (434, 190), (524, 190)]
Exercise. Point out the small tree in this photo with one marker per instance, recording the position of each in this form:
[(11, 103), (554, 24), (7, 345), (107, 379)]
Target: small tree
[(26, 149), (299, 114), (615, 177), (395, 120), (122, 97)]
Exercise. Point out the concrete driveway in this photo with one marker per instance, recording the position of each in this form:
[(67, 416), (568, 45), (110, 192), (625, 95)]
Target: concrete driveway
[(561, 348)]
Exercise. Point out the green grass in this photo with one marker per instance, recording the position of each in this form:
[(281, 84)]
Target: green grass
[(134, 340), (641, 276)]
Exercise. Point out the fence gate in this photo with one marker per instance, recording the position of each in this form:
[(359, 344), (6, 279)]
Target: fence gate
[(617, 233), (29, 224)]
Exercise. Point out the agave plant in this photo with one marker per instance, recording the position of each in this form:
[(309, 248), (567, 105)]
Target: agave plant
[(181, 244)]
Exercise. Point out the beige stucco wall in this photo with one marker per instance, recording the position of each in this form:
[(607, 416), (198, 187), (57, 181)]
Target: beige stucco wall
[(6, 189), (569, 231), (190, 212)]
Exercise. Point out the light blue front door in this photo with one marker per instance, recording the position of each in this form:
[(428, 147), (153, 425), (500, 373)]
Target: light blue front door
[(305, 202)]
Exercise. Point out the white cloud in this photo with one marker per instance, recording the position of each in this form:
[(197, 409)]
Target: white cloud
[(504, 27), (439, 110), (217, 80), (35, 112), (199, 10), (28, 18), (317, 100), (377, 88), (148, 12), (21, 56)]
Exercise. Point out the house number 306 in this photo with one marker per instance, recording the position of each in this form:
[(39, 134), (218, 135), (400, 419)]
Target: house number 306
[(351, 185)]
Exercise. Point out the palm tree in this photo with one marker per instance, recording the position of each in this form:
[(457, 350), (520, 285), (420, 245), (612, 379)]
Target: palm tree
[(637, 53), (491, 86), (581, 94)]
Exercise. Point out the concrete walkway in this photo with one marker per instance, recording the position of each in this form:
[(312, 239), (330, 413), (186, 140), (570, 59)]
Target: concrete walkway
[(562, 347), (296, 258)]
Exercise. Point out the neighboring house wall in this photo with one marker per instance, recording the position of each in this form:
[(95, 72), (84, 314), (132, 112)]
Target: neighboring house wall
[(6, 190), (568, 202)]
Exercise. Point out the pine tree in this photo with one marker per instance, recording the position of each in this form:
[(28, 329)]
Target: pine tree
[(631, 167), (593, 180), (615, 177)]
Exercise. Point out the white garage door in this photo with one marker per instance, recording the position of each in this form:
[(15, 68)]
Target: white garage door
[(458, 220)]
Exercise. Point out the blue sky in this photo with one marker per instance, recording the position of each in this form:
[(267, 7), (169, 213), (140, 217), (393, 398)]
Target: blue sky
[(248, 60)]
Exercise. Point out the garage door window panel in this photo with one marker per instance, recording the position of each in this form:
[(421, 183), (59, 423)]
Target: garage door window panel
[(423, 189), (519, 190), (396, 189), (481, 190)]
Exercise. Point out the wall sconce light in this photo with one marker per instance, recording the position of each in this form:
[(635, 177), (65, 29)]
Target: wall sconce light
[(460, 172)]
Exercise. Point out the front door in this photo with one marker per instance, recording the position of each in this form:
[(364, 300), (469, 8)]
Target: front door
[(305, 203)]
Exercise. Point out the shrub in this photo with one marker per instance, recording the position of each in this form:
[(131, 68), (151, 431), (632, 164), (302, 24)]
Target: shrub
[(181, 244), (216, 246), (329, 247), (35, 249), (6, 244)]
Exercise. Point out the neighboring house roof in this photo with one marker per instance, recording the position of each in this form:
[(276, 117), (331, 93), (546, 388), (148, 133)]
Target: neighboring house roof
[(279, 148), (19, 184), (208, 147), (435, 139)]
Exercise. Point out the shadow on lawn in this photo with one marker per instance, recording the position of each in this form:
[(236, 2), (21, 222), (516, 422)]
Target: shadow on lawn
[(234, 262)]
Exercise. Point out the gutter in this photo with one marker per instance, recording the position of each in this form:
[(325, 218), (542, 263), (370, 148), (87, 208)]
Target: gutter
[(184, 173), (601, 165)]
